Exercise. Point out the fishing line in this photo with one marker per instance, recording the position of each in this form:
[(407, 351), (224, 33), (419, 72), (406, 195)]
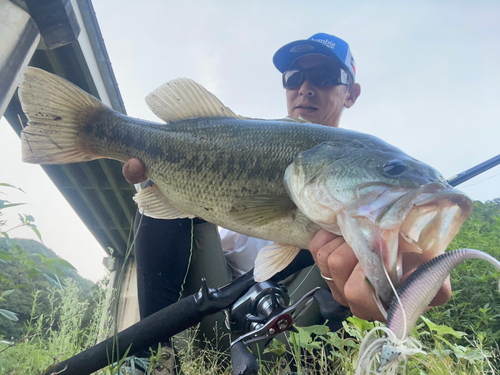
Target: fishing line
[(486, 179), (400, 303), (369, 351), (120, 278), (304, 279), (189, 261)]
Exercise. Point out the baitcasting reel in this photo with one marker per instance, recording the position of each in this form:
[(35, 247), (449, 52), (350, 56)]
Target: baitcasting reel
[(252, 310), (258, 316)]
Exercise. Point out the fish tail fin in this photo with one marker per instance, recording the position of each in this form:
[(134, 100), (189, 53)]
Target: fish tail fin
[(57, 112), (272, 259)]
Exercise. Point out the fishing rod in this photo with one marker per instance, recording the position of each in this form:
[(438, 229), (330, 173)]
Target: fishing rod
[(474, 171)]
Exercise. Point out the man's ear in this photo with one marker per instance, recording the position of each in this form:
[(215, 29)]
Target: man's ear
[(354, 93)]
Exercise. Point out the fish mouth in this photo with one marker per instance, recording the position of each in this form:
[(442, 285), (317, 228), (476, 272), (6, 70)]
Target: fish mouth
[(428, 218), (390, 222)]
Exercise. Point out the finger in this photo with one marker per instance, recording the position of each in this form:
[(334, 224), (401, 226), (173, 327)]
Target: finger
[(319, 240), (341, 264), (360, 296), (322, 255), (323, 244), (134, 172), (337, 294), (335, 261)]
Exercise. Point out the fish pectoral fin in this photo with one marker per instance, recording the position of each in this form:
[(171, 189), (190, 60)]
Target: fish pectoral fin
[(259, 210), (272, 259), (183, 99), (156, 205)]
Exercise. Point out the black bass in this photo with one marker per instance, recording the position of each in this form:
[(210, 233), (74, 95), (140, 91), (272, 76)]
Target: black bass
[(277, 180)]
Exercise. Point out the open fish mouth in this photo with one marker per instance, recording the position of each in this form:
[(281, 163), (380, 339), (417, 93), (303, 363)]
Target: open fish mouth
[(390, 222), (430, 217)]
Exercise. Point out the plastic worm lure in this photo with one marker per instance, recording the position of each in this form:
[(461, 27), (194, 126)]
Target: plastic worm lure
[(408, 304)]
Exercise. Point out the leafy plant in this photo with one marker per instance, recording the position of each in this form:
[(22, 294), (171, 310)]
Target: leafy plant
[(22, 262), (325, 352), (55, 336), (58, 324)]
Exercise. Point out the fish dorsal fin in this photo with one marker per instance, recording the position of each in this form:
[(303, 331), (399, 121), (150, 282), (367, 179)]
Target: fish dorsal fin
[(293, 119), (155, 204), (183, 99), (287, 119)]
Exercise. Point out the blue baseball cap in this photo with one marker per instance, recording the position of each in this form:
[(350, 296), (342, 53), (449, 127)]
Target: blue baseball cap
[(319, 44)]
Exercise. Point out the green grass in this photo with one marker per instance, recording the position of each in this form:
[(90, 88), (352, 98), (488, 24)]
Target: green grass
[(60, 335), (53, 337)]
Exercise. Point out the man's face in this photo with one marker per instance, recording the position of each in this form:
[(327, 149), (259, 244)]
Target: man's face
[(320, 105)]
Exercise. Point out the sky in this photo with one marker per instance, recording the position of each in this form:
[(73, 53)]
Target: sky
[(429, 74)]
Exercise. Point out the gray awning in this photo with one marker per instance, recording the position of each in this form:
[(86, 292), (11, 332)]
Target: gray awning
[(96, 190)]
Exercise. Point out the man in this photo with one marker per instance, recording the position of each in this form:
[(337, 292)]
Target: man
[(319, 78)]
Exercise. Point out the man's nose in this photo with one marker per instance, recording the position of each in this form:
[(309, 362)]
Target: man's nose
[(307, 88)]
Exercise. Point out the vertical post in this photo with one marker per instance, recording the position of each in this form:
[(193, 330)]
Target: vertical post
[(128, 305), (20, 37)]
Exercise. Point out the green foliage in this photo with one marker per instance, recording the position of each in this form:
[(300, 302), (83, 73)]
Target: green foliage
[(26, 266), (319, 351), (43, 312), (20, 300), (56, 335)]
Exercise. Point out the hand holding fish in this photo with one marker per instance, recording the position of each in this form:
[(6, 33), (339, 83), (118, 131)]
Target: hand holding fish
[(336, 260), (133, 171)]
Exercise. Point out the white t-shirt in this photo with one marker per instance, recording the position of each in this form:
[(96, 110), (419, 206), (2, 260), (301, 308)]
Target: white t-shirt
[(240, 250)]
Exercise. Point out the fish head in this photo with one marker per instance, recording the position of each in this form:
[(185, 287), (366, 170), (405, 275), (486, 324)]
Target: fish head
[(382, 201)]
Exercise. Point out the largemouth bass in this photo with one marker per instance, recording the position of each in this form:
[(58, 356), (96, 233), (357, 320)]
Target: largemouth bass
[(278, 180)]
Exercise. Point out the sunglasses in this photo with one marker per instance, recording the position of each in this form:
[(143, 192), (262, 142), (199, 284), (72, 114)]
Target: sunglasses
[(320, 76)]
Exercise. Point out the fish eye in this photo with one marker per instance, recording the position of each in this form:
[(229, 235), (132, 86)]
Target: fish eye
[(394, 168)]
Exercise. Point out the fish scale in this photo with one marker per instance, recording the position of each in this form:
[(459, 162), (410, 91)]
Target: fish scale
[(205, 165)]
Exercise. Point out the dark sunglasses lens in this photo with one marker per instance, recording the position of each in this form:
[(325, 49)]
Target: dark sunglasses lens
[(319, 76), (292, 78), (325, 76)]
